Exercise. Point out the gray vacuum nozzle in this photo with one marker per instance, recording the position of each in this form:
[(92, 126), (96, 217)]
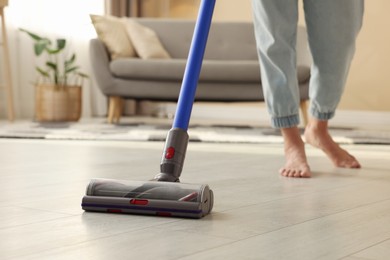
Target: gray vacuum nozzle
[(150, 198), (166, 177), (173, 156)]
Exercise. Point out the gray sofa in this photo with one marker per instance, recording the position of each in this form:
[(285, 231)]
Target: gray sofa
[(230, 71)]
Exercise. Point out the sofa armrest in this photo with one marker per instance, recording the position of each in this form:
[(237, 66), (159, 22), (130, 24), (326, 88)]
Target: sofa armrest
[(100, 64)]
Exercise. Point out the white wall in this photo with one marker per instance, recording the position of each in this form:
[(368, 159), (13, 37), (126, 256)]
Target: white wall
[(51, 18), (368, 86)]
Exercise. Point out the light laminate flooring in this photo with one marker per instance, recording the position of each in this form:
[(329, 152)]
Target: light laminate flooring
[(337, 214)]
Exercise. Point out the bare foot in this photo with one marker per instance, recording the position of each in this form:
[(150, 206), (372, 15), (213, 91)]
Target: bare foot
[(316, 134), (294, 149)]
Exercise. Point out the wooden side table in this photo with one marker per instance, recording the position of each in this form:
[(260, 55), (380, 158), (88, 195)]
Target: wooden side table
[(6, 63)]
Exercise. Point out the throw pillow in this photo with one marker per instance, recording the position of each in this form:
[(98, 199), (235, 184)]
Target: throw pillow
[(111, 31), (145, 41)]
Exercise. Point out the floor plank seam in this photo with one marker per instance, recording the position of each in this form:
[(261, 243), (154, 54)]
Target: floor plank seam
[(49, 211), (34, 223), (309, 220), (89, 240), (375, 244), (210, 249)]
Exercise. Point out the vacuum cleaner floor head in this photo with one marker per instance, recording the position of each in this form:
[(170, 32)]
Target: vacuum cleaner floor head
[(148, 198)]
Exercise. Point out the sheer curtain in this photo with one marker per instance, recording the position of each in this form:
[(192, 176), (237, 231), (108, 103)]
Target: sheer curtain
[(138, 8), (130, 8), (51, 18)]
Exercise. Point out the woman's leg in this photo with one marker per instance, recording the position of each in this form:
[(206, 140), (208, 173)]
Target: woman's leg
[(332, 27), (275, 24), (275, 30)]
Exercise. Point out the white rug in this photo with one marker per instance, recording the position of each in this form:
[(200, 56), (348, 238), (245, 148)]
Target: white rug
[(141, 131)]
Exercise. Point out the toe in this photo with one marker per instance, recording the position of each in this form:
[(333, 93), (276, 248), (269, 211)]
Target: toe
[(297, 174), (291, 173), (305, 174), (355, 165)]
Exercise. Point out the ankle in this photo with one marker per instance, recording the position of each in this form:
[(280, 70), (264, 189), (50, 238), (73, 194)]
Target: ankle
[(316, 126), (292, 137)]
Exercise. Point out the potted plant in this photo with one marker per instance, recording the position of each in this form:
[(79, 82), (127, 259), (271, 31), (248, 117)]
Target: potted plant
[(58, 87)]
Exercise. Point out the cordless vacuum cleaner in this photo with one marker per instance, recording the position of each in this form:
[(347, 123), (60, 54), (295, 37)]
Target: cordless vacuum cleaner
[(164, 195)]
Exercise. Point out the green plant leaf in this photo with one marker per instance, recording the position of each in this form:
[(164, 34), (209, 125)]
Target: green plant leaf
[(70, 61), (39, 47), (55, 64), (61, 43), (69, 70), (41, 43), (53, 51), (32, 35), (83, 75), (42, 72), (52, 65)]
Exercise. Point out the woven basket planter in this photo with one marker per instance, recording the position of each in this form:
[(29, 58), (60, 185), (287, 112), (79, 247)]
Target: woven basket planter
[(57, 103)]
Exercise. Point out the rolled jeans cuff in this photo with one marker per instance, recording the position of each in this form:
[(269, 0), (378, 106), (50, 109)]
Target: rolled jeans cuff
[(321, 115), (285, 122)]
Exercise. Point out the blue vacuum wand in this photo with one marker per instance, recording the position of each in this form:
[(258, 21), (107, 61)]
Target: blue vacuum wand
[(177, 139), (165, 195)]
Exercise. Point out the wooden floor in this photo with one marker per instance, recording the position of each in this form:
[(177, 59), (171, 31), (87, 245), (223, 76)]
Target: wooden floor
[(337, 214)]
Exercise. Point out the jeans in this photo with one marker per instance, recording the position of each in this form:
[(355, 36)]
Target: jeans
[(332, 28)]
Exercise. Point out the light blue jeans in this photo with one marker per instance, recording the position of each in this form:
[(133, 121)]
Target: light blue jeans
[(332, 28)]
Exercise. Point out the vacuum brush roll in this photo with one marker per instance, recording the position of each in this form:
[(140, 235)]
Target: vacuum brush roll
[(148, 197)]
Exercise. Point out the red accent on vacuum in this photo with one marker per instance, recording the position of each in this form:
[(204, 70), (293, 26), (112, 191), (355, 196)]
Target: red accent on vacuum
[(164, 214), (139, 202), (169, 153)]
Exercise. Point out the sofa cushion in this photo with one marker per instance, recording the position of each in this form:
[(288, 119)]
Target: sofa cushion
[(173, 70), (145, 41), (212, 70), (226, 40), (112, 32)]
